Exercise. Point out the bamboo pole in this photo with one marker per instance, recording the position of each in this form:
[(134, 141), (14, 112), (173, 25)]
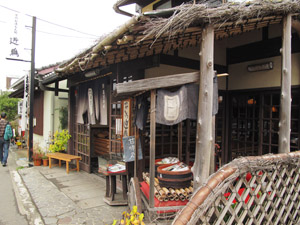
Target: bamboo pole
[(115, 35), (285, 101), (166, 194), (204, 121)]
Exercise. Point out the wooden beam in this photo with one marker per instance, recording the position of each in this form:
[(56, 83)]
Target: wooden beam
[(56, 88), (157, 82), (285, 100), (260, 50), (187, 63), (204, 137), (152, 146)]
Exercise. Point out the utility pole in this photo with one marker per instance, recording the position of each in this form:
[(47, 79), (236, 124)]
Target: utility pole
[(31, 99)]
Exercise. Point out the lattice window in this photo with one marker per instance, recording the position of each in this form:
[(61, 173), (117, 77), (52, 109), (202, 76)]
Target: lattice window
[(269, 197), (259, 190), (82, 142)]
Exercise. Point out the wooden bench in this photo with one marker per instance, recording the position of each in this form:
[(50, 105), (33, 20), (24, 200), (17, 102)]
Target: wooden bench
[(65, 157)]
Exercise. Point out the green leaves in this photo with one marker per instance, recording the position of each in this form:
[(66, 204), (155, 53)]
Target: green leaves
[(9, 106), (60, 141)]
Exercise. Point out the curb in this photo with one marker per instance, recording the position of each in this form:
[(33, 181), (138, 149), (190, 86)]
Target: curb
[(24, 201)]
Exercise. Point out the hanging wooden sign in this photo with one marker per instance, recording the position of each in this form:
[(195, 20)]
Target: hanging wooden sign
[(129, 149), (103, 105), (126, 117), (91, 106)]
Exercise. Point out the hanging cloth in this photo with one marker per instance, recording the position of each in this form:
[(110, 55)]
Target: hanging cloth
[(141, 109), (174, 107)]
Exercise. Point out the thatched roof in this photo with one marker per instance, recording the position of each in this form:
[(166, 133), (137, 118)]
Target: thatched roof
[(151, 34), (234, 14)]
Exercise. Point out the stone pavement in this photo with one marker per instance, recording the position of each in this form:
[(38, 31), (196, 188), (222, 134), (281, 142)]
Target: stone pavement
[(51, 196)]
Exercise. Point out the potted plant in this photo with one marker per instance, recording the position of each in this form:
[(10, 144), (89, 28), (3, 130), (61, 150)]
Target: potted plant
[(37, 157), (60, 141), (45, 160)]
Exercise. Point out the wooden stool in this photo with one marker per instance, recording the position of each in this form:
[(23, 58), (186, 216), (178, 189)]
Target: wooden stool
[(111, 187)]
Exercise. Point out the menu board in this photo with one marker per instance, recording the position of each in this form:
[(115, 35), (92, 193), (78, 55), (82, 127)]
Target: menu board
[(129, 149)]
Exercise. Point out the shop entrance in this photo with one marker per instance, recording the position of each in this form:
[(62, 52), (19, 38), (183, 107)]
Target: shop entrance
[(254, 122)]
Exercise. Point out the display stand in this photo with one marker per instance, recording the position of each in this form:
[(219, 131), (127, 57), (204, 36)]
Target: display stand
[(111, 187)]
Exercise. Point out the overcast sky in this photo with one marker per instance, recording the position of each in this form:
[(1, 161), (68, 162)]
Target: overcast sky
[(53, 43)]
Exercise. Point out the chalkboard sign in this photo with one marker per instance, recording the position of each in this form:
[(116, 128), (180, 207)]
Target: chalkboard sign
[(129, 148)]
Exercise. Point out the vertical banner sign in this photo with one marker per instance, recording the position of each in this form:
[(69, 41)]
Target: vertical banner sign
[(103, 105), (126, 117), (15, 45), (25, 103), (91, 106)]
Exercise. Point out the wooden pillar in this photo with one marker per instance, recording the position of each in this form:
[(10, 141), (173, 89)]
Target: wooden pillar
[(188, 143), (136, 152), (71, 121), (152, 146), (179, 136), (204, 137), (285, 100), (212, 152)]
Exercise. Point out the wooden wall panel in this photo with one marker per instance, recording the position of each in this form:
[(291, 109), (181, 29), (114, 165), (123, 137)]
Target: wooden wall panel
[(38, 112)]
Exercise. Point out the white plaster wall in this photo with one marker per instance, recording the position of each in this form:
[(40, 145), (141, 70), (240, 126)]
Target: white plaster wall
[(240, 78), (164, 70), (52, 104), (38, 142)]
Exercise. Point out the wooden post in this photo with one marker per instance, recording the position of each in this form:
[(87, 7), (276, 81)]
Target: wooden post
[(188, 136), (285, 100), (204, 121), (179, 129), (136, 151), (31, 96), (212, 152), (152, 146)]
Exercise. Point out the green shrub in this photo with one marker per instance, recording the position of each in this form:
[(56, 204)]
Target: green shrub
[(60, 141)]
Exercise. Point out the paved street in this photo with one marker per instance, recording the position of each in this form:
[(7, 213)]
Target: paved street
[(9, 212), (51, 196), (39, 195)]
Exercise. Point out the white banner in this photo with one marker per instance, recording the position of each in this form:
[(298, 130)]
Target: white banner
[(25, 103), (16, 48)]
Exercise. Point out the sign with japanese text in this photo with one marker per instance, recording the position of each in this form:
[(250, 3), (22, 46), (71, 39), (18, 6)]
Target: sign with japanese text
[(129, 149), (15, 49), (103, 105), (126, 106), (25, 103)]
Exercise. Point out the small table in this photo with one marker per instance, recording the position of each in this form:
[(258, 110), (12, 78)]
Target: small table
[(65, 157), (111, 187)]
